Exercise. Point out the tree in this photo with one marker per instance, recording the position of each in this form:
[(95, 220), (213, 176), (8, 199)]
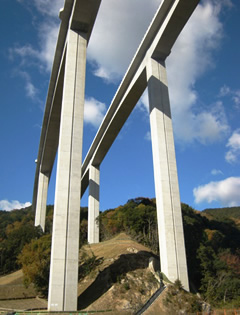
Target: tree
[(221, 279), (16, 237), (35, 261)]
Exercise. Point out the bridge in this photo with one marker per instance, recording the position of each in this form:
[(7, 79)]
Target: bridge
[(62, 131)]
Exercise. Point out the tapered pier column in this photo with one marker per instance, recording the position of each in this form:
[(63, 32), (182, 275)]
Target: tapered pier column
[(65, 242), (93, 204), (170, 227), (41, 204)]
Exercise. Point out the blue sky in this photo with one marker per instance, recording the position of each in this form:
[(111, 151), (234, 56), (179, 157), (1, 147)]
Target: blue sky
[(204, 87)]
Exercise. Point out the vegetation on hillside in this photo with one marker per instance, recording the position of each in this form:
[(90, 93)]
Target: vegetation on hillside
[(16, 230), (212, 244), (224, 213), (178, 301)]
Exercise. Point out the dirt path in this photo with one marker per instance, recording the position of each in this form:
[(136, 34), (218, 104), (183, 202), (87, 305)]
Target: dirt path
[(12, 278)]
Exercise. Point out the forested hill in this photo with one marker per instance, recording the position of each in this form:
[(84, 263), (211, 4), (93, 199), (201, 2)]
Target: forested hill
[(223, 213), (212, 240)]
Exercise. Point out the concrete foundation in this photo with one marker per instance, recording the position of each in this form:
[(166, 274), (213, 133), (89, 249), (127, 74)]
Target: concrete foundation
[(65, 242), (93, 204), (170, 227)]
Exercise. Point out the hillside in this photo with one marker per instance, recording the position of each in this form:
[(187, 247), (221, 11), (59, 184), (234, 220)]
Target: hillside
[(15, 296), (120, 278), (117, 276), (223, 214), (114, 275), (107, 269)]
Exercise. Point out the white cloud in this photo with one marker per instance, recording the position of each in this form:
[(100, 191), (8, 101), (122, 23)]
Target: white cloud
[(14, 204), (48, 37), (191, 57), (215, 172), (226, 192), (233, 144), (118, 30), (94, 112), (48, 7)]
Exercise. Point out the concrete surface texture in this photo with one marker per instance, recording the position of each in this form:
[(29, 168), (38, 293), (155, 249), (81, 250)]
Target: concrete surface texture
[(63, 127)]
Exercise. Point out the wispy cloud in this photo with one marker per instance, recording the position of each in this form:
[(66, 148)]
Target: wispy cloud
[(45, 7), (30, 89), (14, 204), (216, 172), (40, 57), (233, 94), (226, 192), (48, 7), (47, 26), (233, 154), (148, 136)]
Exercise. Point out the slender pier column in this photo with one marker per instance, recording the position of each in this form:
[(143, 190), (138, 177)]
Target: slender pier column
[(41, 204), (170, 227), (65, 242), (93, 204)]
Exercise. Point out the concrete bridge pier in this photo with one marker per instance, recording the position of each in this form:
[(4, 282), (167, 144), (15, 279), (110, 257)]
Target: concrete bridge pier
[(41, 205), (65, 241), (93, 204), (170, 227)]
